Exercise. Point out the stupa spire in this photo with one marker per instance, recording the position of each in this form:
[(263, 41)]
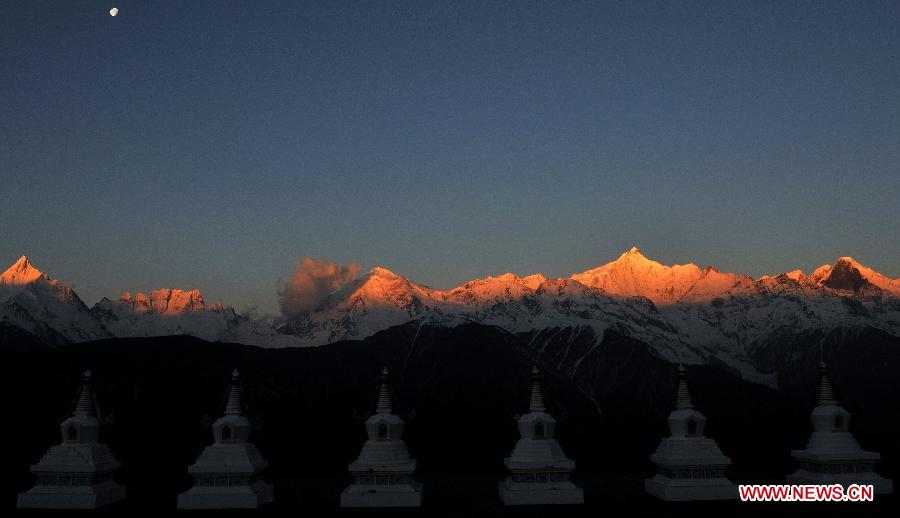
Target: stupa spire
[(683, 397), (233, 406), (86, 404), (384, 394), (826, 393), (537, 396)]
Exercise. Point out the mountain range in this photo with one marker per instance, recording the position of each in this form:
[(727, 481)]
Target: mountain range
[(33, 302), (683, 313)]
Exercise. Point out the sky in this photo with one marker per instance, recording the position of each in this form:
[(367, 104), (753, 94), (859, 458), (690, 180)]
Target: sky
[(212, 145)]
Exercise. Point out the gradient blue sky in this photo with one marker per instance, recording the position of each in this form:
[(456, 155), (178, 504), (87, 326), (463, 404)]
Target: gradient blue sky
[(212, 144)]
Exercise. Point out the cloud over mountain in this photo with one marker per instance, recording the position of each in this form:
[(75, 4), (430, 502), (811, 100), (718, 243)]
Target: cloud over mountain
[(313, 280)]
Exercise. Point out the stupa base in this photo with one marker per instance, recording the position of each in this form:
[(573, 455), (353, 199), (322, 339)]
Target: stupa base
[(234, 497), (71, 497), (879, 485), (540, 493), (382, 495), (676, 490)]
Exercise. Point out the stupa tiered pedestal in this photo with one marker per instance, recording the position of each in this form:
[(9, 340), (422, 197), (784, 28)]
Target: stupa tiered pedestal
[(382, 485), (541, 473), (78, 473)]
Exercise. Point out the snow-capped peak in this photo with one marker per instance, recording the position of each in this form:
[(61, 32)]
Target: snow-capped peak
[(45, 307), (796, 275), (849, 275), (381, 287), (384, 273), (534, 280), (378, 281), (634, 256), (633, 274), (20, 273)]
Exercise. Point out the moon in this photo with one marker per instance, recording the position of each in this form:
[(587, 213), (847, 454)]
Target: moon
[(114, 11)]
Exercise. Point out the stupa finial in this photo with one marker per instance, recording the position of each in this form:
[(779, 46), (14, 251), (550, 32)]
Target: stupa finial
[(826, 394), (683, 397), (233, 406), (384, 394), (86, 404), (537, 395)]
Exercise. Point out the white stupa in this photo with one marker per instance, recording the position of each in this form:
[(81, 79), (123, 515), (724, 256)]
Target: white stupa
[(226, 475), (382, 473), (832, 455), (690, 466), (77, 474), (541, 473)]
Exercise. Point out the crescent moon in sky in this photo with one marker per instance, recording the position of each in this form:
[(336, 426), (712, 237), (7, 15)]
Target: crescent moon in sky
[(114, 11)]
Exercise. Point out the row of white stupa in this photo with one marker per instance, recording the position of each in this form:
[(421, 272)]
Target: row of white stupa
[(77, 474)]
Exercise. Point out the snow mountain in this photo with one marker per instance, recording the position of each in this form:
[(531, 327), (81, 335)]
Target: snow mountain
[(167, 312), (45, 307), (51, 311), (685, 313)]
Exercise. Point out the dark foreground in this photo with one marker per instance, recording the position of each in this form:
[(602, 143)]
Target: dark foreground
[(459, 391), (468, 494)]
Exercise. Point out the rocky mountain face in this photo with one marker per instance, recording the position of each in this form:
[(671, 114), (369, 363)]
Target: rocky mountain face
[(166, 301)]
